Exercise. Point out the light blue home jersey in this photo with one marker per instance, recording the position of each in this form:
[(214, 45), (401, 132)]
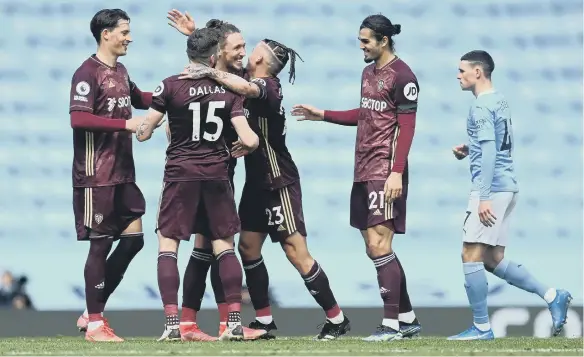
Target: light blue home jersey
[(490, 143)]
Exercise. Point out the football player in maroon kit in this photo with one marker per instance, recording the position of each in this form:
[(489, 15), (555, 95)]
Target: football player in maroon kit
[(107, 204), (271, 202), (197, 195), (385, 124), (229, 59)]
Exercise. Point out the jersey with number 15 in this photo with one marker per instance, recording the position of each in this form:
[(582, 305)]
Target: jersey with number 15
[(490, 120), (198, 111)]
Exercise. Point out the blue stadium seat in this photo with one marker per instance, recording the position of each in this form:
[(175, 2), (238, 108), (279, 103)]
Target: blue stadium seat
[(537, 45)]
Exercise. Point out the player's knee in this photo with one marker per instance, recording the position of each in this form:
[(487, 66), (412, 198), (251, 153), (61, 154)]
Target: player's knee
[(472, 252), (98, 251), (167, 244), (221, 245), (250, 245), (132, 245), (377, 245), (249, 251)]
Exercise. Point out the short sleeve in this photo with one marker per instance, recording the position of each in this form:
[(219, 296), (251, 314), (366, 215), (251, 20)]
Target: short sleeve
[(83, 91), (484, 123), (261, 83), (237, 106), (406, 92), (160, 97), (270, 92)]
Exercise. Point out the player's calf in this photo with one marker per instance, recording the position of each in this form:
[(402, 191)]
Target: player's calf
[(94, 273), (257, 280), (317, 284), (168, 284), (476, 286), (409, 326)]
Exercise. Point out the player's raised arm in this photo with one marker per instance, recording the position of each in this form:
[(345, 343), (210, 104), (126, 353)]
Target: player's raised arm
[(343, 117), (183, 23), (485, 124)]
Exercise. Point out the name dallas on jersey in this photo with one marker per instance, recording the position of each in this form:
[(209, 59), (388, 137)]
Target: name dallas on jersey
[(205, 90), (373, 104)]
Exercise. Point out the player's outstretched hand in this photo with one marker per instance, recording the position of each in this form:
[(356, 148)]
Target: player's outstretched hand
[(239, 150), (195, 71), (183, 23), (393, 187), (486, 214), (307, 112), (460, 151)]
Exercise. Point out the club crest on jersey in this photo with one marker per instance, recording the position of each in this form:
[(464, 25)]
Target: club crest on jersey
[(82, 88), (380, 84), (111, 83), (98, 218)]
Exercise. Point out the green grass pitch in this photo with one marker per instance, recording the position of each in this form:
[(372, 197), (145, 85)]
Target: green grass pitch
[(428, 346)]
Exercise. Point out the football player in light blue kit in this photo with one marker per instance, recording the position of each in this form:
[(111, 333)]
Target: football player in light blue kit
[(492, 200)]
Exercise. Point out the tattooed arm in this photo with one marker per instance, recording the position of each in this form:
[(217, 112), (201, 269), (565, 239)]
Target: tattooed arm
[(146, 127), (232, 82)]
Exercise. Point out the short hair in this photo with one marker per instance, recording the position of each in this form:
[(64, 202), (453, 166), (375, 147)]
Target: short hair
[(381, 26), (225, 28), (480, 58), (106, 19), (282, 54), (202, 43)]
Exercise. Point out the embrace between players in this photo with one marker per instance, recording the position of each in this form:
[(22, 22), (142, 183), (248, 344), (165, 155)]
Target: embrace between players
[(218, 111)]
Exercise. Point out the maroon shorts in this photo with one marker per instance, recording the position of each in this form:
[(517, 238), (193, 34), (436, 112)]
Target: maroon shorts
[(368, 207), (106, 211), (277, 213), (189, 207)]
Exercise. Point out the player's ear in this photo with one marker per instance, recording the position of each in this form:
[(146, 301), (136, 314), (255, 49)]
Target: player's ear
[(212, 61), (105, 34), (478, 72), (385, 41), (259, 60)]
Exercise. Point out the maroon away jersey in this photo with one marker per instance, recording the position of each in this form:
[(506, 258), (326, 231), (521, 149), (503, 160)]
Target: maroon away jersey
[(385, 93), (271, 165), (102, 158), (199, 111)]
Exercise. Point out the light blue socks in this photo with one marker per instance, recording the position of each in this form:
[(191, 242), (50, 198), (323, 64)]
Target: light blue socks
[(516, 275), (477, 289)]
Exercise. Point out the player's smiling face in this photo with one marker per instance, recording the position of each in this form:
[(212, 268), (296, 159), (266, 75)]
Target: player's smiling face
[(118, 38), (372, 49), (233, 51), (467, 75)]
